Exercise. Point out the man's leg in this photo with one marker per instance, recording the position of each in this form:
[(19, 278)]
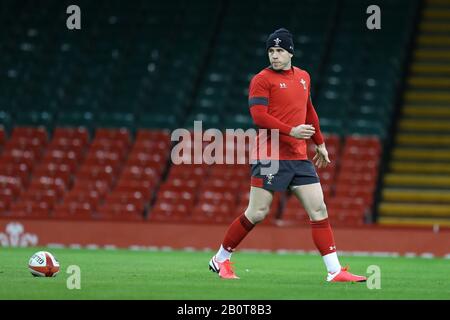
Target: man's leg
[(311, 196), (257, 210)]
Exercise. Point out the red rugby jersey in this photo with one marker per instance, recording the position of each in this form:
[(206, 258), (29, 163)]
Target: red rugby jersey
[(281, 100)]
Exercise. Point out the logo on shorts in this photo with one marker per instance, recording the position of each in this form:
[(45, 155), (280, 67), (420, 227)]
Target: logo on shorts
[(270, 178)]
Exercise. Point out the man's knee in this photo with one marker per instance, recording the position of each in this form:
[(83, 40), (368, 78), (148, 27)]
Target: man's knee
[(319, 212), (256, 215)]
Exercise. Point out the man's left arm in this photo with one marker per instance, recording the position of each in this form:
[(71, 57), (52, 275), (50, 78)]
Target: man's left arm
[(321, 157), (313, 119)]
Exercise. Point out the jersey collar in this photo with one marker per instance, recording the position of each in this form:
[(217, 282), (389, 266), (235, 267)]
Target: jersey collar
[(283, 72)]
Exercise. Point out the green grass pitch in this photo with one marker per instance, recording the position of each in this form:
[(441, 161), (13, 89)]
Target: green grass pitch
[(182, 275)]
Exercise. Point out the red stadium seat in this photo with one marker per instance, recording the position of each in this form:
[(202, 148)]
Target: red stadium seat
[(62, 154), (189, 171), (156, 155), (31, 132), (171, 211), (345, 218), (222, 185), (361, 155), (102, 173), (188, 182), (184, 184), (159, 146), (73, 210), (357, 142), (110, 145), (25, 144), (361, 179), (57, 158), (103, 159), (29, 209), (121, 134), (68, 145), (18, 156), (146, 160), (348, 206), (217, 197), (52, 167), (125, 198), (93, 197), (352, 191), (4, 207), (147, 174), (131, 211), (135, 187), (332, 140), (48, 196), (230, 171), (172, 193), (54, 171), (16, 170), (293, 217), (156, 135), (43, 183), (356, 166), (2, 136), (79, 133), (213, 212), (12, 183), (327, 190), (88, 185), (326, 176), (293, 213), (7, 197), (134, 172)]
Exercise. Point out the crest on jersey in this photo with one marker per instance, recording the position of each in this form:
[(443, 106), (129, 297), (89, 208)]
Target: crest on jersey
[(303, 82), (277, 41)]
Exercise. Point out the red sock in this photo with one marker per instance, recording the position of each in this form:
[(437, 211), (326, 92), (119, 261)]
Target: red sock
[(236, 232), (323, 236)]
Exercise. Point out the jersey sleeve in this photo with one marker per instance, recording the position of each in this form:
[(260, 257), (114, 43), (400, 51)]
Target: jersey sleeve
[(313, 119), (258, 101), (258, 93)]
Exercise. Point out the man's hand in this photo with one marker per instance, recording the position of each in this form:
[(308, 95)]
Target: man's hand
[(321, 156), (303, 131)]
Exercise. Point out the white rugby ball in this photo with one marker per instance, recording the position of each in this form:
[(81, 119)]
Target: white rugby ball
[(43, 264)]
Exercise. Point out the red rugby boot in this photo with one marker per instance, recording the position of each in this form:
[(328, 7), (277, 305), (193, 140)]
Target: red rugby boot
[(344, 276), (224, 269)]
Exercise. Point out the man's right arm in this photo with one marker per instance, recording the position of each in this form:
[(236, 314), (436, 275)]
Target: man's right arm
[(258, 103), (264, 120)]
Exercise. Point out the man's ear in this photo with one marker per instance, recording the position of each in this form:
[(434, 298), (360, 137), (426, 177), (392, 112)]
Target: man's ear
[(291, 55)]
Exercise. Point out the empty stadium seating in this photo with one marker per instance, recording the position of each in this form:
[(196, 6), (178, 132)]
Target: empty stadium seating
[(348, 184), (112, 176), (86, 117), (416, 185)]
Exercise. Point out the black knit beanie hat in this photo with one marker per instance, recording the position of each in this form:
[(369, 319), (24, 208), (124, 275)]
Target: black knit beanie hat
[(281, 38)]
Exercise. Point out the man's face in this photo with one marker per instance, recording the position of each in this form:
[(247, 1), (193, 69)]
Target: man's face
[(279, 58)]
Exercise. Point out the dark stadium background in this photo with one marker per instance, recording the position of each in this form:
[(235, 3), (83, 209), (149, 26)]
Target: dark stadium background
[(86, 117)]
